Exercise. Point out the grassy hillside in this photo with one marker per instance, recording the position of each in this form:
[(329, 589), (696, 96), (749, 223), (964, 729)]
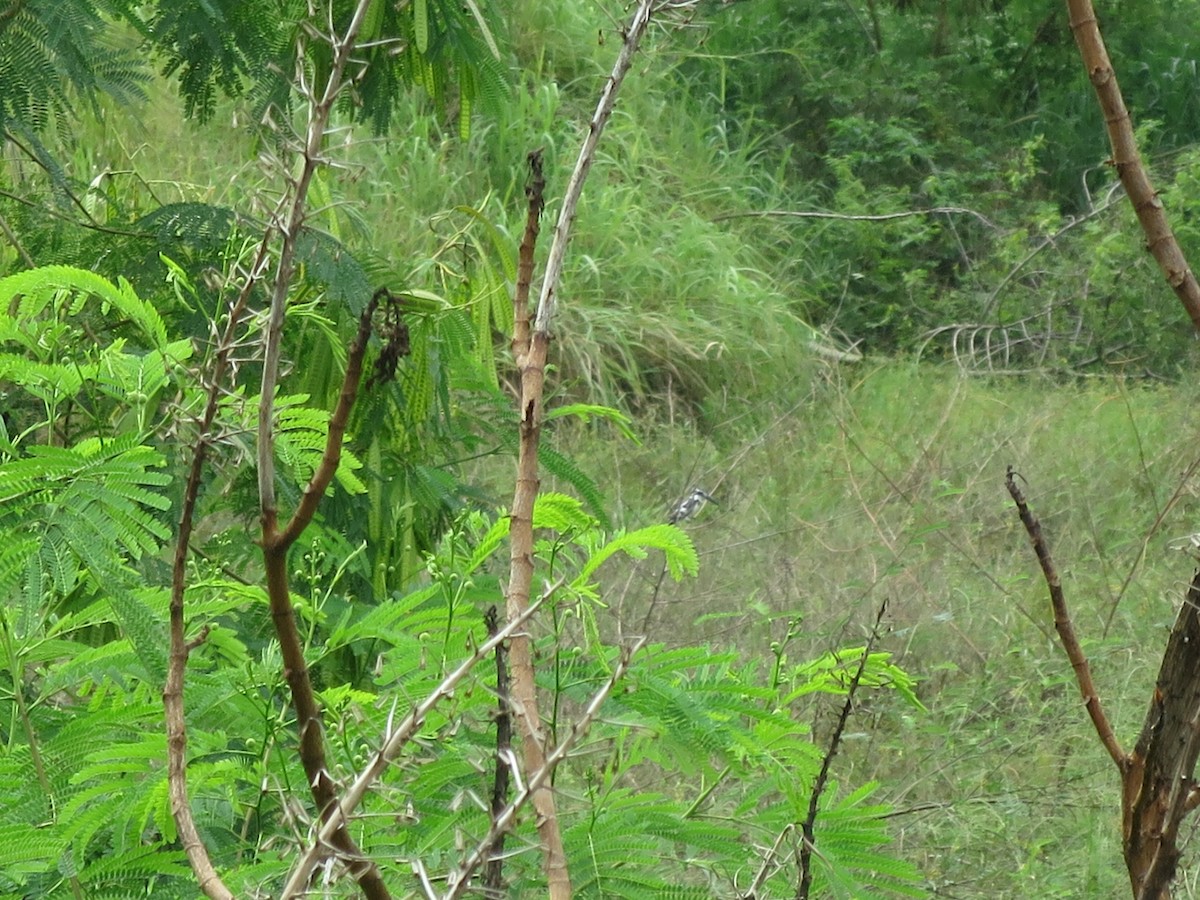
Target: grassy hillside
[(885, 481)]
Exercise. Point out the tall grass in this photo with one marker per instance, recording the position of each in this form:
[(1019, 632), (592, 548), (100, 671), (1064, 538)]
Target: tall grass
[(885, 481)]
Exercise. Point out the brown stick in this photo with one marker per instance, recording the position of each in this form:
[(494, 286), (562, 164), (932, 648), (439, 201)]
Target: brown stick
[(1160, 239), (275, 545), (1066, 631)]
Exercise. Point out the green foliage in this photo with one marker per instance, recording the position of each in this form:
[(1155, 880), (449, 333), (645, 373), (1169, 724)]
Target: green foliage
[(54, 53), (233, 47)]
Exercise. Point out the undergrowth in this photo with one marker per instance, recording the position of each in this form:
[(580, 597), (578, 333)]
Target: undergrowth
[(886, 480)]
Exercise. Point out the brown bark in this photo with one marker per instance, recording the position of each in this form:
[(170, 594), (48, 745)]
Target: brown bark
[(1160, 787), (1160, 239), (275, 545), (1158, 782), (173, 707), (531, 364)]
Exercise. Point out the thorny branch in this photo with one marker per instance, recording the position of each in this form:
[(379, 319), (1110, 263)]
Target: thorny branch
[(461, 880), (276, 541), (395, 739), (180, 648)]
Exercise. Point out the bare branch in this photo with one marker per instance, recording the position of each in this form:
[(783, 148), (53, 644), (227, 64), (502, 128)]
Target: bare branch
[(807, 835), (1066, 630), (312, 157), (846, 217), (566, 217), (173, 707)]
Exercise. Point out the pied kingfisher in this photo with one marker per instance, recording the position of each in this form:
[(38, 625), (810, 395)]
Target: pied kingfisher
[(690, 505)]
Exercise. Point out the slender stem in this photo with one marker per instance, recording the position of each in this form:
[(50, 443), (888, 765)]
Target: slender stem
[(807, 833)]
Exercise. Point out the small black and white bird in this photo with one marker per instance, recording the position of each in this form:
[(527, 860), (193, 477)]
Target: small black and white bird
[(690, 505)]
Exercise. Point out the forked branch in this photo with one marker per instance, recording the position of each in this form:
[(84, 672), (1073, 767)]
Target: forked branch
[(275, 546), (1158, 780), (277, 541)]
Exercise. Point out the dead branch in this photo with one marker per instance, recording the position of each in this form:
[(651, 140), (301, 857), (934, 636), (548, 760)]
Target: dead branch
[(1065, 629), (608, 97), (847, 217), (1160, 239), (535, 191), (395, 740)]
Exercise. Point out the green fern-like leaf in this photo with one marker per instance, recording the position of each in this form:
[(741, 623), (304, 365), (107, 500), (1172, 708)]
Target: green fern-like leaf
[(65, 288), (676, 546)]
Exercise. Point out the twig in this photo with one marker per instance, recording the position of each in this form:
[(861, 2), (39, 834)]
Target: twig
[(395, 740), (16, 243), (1065, 629), (770, 865), (846, 217), (1047, 241), (807, 838), (634, 32)]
